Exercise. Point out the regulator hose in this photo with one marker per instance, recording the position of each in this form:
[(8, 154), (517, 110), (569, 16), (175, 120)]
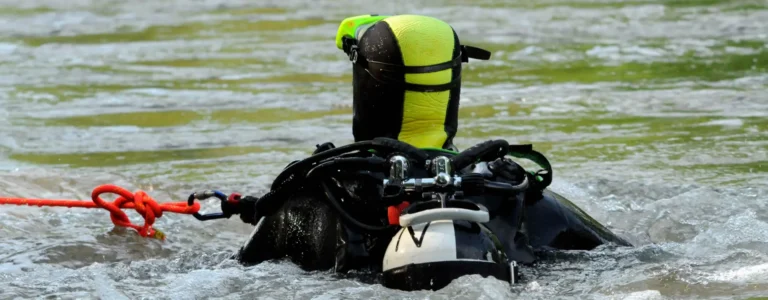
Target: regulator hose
[(346, 216)]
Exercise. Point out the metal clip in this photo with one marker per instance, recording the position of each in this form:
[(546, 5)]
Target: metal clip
[(202, 195)]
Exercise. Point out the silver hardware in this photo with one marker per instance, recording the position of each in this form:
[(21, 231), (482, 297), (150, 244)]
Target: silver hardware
[(441, 164), (443, 199), (442, 179), (202, 195), (417, 184), (398, 168)]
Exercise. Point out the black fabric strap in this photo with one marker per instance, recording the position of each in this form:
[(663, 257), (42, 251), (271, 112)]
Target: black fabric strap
[(409, 69), (468, 52), (419, 87), (527, 152)]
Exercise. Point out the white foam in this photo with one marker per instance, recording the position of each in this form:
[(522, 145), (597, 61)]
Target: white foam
[(743, 274)]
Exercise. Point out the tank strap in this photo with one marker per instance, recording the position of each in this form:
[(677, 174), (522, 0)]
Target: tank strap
[(387, 67), (543, 176)]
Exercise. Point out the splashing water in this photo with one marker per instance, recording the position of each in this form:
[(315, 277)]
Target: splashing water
[(653, 113)]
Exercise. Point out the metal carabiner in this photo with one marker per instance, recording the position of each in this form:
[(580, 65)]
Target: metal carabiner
[(205, 195)]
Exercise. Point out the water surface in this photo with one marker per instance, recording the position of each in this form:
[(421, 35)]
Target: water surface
[(654, 114)]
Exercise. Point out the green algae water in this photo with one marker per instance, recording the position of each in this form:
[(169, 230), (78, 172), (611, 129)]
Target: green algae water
[(654, 114)]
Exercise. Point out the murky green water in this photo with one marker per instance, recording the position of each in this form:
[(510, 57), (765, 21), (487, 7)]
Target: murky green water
[(654, 114)]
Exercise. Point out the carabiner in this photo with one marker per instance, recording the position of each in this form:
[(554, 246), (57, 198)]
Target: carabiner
[(205, 195)]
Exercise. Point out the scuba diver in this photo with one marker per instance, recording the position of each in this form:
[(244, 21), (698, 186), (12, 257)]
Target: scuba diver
[(402, 201)]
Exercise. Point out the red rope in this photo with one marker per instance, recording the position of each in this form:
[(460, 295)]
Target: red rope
[(147, 207)]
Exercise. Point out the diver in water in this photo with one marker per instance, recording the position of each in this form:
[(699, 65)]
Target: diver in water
[(406, 87)]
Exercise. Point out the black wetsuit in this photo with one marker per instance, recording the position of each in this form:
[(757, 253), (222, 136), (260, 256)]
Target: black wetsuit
[(309, 231)]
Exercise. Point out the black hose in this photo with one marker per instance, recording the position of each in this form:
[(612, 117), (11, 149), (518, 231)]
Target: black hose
[(270, 202), (487, 150), (376, 164), (413, 153), (503, 188), (290, 178), (387, 144), (294, 168), (345, 215)]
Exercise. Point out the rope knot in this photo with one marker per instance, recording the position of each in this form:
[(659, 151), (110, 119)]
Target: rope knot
[(147, 207), (142, 200)]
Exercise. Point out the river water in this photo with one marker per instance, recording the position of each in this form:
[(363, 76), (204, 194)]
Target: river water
[(654, 114)]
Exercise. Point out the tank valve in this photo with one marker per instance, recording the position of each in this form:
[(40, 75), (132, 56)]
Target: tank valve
[(398, 167)]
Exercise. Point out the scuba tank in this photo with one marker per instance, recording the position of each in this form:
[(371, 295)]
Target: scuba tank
[(442, 238)]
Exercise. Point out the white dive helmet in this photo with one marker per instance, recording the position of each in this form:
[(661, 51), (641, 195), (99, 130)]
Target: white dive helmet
[(440, 241)]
